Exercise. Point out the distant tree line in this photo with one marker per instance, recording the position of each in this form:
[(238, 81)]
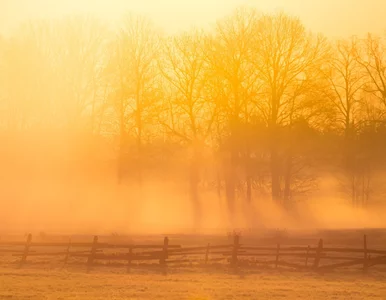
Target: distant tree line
[(256, 108)]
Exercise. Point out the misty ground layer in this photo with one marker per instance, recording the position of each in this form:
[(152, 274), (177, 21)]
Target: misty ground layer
[(43, 284)]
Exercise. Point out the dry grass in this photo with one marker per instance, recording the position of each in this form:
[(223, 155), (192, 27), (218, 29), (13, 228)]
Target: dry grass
[(192, 285), (41, 278)]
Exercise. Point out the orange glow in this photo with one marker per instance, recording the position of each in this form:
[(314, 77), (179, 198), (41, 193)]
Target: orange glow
[(152, 115), (334, 18)]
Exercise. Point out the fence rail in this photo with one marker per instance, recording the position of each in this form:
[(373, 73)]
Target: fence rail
[(237, 254)]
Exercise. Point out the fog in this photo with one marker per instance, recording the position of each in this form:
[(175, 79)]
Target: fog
[(255, 120), (43, 192)]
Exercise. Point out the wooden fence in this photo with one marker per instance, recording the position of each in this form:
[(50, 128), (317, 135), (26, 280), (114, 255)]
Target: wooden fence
[(236, 254)]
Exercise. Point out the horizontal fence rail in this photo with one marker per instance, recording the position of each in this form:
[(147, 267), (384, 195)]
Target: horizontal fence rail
[(236, 254)]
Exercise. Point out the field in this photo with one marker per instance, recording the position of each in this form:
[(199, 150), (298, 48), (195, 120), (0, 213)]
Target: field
[(102, 284), (48, 278)]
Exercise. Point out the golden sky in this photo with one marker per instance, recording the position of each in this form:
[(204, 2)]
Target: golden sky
[(332, 17)]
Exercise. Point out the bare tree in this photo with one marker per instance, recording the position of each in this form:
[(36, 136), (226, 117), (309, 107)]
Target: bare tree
[(347, 80), (229, 53), (77, 59), (371, 56), (135, 85), (288, 60), (26, 63), (189, 115)]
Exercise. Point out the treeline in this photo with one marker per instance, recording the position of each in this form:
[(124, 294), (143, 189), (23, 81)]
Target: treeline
[(257, 107)]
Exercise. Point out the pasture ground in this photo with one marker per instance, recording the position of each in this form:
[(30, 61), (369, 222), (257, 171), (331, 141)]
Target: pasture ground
[(101, 283), (43, 279)]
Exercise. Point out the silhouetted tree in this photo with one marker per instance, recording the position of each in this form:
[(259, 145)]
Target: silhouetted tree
[(229, 53), (289, 62), (135, 85), (189, 116)]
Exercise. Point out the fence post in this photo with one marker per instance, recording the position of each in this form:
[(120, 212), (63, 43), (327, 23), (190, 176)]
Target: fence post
[(365, 253), (207, 253), (91, 257), (26, 250), (164, 254), (277, 255), (308, 251), (236, 245), (68, 252), (318, 254), (129, 259)]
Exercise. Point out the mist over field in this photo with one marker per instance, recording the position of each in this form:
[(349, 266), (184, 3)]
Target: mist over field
[(51, 191), (192, 149), (112, 122)]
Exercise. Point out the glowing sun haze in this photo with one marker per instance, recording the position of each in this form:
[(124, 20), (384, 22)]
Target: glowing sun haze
[(332, 17)]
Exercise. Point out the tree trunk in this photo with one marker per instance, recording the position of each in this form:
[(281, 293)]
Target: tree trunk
[(230, 179), (194, 196), (121, 159), (287, 182), (274, 160), (275, 176), (249, 189), (248, 173), (231, 195), (139, 161), (219, 184), (353, 190), (230, 188)]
